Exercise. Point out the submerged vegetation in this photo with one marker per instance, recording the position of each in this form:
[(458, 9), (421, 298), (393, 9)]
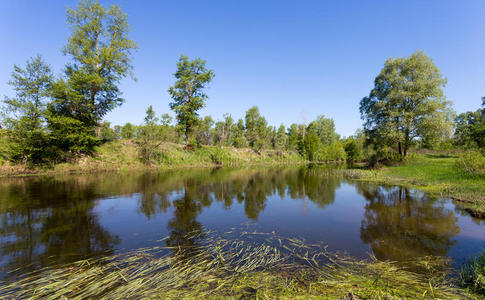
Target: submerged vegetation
[(266, 266)]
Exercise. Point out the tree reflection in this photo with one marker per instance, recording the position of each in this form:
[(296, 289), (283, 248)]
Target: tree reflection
[(43, 220), (400, 224), (54, 220)]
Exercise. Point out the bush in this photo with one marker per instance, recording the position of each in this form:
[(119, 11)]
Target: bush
[(384, 156), (472, 162), (219, 156), (472, 274)]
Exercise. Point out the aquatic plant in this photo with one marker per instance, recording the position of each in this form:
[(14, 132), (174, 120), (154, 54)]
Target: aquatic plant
[(472, 274), (262, 265)]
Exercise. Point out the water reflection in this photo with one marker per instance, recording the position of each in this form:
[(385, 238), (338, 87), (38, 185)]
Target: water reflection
[(49, 222), (400, 224), (57, 220)]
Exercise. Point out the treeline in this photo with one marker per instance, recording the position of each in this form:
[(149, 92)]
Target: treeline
[(316, 141), (55, 119)]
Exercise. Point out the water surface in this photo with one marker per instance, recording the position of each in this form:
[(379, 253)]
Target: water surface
[(55, 220)]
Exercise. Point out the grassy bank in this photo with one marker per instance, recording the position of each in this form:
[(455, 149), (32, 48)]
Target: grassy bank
[(123, 155), (239, 267), (432, 173)]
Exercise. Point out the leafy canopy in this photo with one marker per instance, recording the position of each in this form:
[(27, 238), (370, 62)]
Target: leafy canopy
[(188, 95), (406, 103)]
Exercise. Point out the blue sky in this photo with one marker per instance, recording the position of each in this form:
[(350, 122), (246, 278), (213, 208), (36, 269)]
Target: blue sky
[(293, 59)]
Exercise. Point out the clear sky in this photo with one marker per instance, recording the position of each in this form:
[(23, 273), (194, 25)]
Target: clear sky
[(293, 59)]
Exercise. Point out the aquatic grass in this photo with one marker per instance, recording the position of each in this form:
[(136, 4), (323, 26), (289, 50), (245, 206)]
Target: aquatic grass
[(472, 274), (261, 265)]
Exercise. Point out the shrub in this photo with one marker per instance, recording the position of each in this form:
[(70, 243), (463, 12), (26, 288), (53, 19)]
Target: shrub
[(219, 155), (472, 162)]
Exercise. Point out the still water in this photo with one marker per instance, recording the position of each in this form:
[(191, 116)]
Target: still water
[(55, 220)]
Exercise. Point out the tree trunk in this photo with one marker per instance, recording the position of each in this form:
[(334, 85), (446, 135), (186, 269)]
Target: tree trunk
[(400, 148)]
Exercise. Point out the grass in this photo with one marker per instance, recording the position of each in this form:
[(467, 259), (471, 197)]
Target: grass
[(436, 174), (236, 266), (122, 155), (472, 274)]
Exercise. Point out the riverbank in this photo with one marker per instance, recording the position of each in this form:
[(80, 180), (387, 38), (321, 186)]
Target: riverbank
[(123, 156), (432, 173)]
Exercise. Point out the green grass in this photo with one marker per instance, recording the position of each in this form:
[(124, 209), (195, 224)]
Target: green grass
[(123, 155), (472, 274), (436, 174)]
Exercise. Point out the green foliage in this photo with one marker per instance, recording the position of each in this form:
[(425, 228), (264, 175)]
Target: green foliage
[(128, 131), (188, 92), (100, 50), (70, 137), (295, 136), (325, 129), (472, 274), (203, 132), (352, 150), (472, 162), (25, 113), (334, 152), (149, 137), (256, 129), (406, 103), (106, 133), (238, 135), (281, 139), (470, 129), (311, 143)]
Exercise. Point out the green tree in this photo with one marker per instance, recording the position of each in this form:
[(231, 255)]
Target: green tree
[(25, 113), (106, 133), (203, 131), (256, 128), (117, 130), (406, 103), (470, 128), (238, 135), (281, 138), (311, 142), (149, 137), (128, 131), (192, 77), (352, 150), (294, 136), (100, 50), (325, 129), (166, 119)]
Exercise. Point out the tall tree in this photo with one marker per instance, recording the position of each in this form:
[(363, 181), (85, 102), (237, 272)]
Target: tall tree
[(100, 50), (325, 129), (149, 137), (281, 139), (188, 92), (238, 135), (25, 113), (256, 128), (407, 102)]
